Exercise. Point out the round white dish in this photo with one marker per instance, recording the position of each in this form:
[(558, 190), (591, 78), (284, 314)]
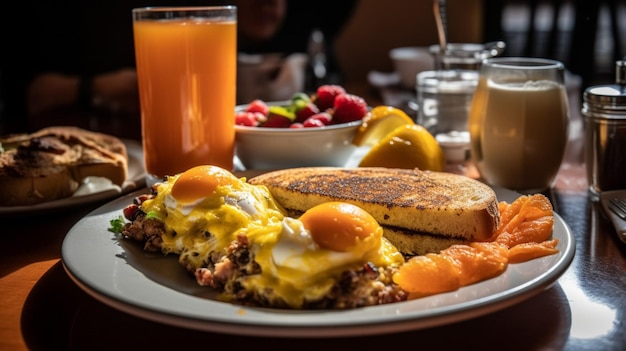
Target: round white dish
[(276, 148), (408, 61), (120, 274)]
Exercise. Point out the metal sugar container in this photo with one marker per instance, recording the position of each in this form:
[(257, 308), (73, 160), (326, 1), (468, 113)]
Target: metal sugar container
[(604, 108)]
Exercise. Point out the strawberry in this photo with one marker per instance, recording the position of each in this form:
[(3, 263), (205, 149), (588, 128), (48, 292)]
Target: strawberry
[(348, 108), (324, 117), (244, 118), (258, 106), (306, 111), (276, 121), (313, 122), (249, 119), (278, 117), (259, 117), (326, 94)]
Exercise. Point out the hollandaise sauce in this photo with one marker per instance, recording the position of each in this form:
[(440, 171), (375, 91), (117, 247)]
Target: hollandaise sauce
[(206, 209)]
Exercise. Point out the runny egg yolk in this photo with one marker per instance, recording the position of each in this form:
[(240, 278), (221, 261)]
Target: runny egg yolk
[(307, 258), (199, 182), (206, 208), (339, 226)]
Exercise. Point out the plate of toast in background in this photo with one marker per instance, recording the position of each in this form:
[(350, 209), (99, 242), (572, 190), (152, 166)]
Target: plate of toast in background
[(91, 194)]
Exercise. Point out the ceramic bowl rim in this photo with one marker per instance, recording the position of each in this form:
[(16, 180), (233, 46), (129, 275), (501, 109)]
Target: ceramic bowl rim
[(313, 130)]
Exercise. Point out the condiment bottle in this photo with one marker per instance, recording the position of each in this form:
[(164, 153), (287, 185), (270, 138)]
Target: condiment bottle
[(604, 108)]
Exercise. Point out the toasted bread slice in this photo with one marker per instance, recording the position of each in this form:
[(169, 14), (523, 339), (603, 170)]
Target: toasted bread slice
[(51, 163), (420, 211)]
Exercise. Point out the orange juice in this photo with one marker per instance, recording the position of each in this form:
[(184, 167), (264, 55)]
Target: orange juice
[(187, 75), (518, 132)]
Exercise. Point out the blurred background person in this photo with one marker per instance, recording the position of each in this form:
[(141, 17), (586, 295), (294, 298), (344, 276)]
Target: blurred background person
[(75, 65)]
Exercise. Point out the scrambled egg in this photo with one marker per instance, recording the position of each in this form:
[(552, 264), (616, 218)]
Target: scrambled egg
[(205, 208)]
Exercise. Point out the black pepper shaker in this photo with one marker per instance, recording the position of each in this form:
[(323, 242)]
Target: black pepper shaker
[(604, 108)]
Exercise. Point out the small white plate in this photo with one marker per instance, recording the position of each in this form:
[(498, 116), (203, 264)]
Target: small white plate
[(136, 179), (120, 274)]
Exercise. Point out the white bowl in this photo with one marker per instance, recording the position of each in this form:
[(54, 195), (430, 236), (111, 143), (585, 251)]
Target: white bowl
[(409, 61), (276, 148)]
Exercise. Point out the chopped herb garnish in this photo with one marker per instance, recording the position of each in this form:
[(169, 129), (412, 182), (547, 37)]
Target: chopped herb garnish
[(117, 224), (152, 214)]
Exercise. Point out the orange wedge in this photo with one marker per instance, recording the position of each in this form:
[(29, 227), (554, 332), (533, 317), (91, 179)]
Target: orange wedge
[(378, 123), (407, 146)]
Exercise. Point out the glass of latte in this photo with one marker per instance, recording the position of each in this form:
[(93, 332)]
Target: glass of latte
[(518, 122)]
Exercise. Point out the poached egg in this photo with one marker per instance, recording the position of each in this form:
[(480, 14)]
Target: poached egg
[(206, 208)]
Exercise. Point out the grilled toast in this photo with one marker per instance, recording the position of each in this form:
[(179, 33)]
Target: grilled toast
[(51, 163), (420, 211)]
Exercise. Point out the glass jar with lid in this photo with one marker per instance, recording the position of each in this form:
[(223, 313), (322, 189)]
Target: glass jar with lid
[(465, 56), (604, 109)]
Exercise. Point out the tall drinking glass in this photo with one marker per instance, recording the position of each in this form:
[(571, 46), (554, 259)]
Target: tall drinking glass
[(186, 66), (518, 122)]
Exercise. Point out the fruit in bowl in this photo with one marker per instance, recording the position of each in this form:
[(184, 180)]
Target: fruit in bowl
[(308, 130), (396, 141), (330, 105)]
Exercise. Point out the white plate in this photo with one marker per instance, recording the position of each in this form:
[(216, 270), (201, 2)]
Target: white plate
[(118, 273), (136, 179)]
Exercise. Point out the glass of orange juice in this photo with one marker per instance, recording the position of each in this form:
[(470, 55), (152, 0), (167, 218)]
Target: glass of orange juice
[(186, 67), (518, 122)]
